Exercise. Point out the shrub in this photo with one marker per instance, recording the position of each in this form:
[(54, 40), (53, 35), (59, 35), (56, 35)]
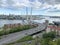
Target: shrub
[(58, 41), (16, 29), (2, 33), (49, 35), (26, 38), (45, 41)]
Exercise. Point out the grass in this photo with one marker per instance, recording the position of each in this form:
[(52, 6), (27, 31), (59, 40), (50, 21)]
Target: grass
[(46, 40), (17, 29), (26, 38), (25, 41)]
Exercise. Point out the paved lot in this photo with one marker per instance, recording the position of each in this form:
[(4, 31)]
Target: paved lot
[(15, 36)]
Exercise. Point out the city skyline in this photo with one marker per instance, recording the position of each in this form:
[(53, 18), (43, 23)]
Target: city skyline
[(39, 7)]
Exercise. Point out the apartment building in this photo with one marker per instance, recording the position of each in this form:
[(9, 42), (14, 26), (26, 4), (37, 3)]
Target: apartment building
[(9, 26), (55, 27)]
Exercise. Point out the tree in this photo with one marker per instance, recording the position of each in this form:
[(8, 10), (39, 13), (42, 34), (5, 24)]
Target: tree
[(51, 35), (47, 37), (58, 42)]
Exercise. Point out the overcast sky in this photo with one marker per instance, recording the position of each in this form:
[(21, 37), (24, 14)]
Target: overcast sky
[(39, 7)]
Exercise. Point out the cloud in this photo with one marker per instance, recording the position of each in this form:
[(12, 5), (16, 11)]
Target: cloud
[(19, 3), (3, 3), (51, 1), (54, 8), (42, 5)]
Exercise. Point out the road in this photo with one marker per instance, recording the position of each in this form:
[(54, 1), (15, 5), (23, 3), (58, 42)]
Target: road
[(18, 35)]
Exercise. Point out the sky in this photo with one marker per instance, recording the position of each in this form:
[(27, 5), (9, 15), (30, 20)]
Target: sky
[(39, 7)]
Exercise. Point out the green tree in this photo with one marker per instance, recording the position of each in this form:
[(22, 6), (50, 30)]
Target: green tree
[(47, 37), (58, 42), (45, 41), (51, 35), (52, 43)]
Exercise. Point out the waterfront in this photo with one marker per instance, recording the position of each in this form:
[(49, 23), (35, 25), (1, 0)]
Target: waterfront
[(2, 22), (18, 35)]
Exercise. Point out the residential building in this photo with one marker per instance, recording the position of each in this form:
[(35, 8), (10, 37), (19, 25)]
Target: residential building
[(55, 27)]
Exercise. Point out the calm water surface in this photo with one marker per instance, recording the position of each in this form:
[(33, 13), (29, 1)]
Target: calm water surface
[(2, 22)]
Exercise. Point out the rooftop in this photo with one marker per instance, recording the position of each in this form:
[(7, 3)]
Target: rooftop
[(54, 27)]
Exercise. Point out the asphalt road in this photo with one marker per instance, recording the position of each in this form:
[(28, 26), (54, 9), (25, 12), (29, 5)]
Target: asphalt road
[(15, 36)]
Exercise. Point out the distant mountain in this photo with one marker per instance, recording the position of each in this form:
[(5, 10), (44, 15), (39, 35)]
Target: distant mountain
[(54, 16)]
